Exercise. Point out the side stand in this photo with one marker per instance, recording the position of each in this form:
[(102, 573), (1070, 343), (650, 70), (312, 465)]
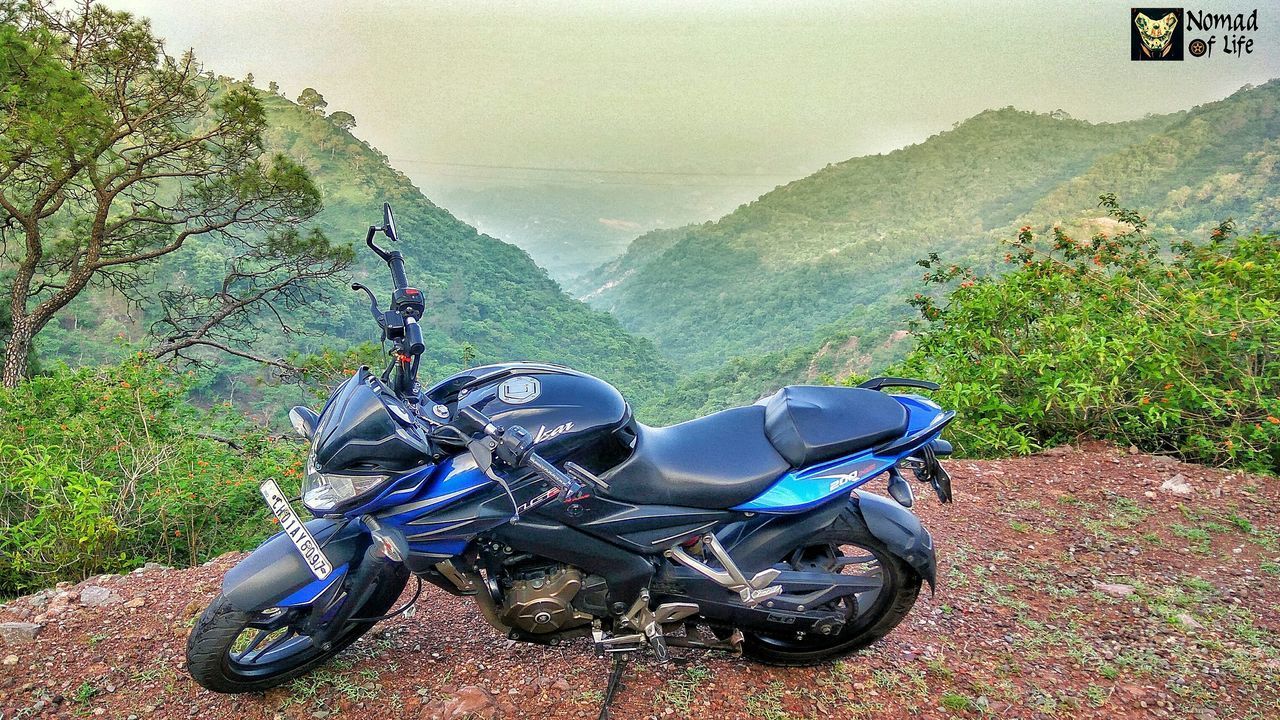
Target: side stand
[(615, 683)]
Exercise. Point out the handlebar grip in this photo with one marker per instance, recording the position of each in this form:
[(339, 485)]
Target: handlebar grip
[(553, 474), (413, 343), (396, 262)]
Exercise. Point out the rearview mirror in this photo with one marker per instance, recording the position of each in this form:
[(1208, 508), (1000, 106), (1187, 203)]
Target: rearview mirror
[(304, 421), (389, 222)]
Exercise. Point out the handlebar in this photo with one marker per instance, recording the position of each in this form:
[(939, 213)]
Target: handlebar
[(514, 446), (399, 323), (396, 262)]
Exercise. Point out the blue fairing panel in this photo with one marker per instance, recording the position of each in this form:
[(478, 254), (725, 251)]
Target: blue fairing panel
[(806, 488)]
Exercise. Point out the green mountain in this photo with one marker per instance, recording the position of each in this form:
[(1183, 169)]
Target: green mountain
[(480, 290), (835, 249), (809, 282), (832, 253)]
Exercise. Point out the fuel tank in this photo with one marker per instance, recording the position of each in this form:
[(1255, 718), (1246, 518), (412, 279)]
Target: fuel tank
[(571, 415)]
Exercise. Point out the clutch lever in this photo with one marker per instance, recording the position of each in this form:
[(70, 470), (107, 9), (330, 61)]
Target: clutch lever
[(373, 305)]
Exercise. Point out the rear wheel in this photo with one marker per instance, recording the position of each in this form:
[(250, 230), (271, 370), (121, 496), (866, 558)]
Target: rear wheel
[(846, 547), (232, 651)]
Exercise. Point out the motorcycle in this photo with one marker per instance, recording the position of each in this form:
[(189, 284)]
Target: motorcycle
[(530, 488)]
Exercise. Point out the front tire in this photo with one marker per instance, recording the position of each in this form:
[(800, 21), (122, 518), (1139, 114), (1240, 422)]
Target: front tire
[(897, 594), (219, 637)]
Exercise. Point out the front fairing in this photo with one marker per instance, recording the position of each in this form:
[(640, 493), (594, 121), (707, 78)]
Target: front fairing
[(365, 428)]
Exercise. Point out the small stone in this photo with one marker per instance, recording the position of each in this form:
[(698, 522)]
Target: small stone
[(1165, 460), (15, 633), (1176, 485), (97, 596), (1133, 449), (10, 660), (1059, 450), (1114, 589), (1187, 621), (136, 603), (471, 701)]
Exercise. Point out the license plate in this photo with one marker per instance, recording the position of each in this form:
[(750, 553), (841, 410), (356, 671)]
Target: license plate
[(297, 533)]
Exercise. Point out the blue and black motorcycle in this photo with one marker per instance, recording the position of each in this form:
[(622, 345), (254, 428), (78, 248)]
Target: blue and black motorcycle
[(531, 488)]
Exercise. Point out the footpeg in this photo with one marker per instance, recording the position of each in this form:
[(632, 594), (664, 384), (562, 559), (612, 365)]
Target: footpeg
[(752, 592), (658, 642)]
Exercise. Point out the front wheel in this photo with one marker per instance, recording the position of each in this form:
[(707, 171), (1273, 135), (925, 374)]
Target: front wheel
[(847, 547), (231, 651)]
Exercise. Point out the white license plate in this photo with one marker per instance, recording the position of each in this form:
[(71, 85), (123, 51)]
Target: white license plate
[(296, 531)]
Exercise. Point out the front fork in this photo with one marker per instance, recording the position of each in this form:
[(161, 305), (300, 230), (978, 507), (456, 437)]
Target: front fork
[(381, 561)]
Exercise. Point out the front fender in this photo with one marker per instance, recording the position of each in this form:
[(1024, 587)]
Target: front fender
[(901, 530), (275, 574)]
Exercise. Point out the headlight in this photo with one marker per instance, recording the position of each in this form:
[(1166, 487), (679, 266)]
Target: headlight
[(323, 492)]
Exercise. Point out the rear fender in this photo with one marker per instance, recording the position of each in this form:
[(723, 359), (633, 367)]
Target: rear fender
[(901, 531), (275, 575)]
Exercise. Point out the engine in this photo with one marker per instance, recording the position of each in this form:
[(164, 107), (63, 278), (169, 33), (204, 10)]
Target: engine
[(539, 599)]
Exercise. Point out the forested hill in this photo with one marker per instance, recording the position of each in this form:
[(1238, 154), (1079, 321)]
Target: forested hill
[(833, 253), (480, 290)]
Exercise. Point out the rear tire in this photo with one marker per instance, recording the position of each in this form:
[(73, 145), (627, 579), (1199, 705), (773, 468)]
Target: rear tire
[(216, 633), (901, 586)]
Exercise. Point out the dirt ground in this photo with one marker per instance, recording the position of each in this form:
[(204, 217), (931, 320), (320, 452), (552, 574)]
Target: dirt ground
[(1083, 582)]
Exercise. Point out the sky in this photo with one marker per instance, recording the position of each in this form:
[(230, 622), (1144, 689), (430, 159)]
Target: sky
[(732, 95)]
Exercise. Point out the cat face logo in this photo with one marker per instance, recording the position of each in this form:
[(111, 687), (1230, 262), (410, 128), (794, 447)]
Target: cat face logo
[(1156, 34)]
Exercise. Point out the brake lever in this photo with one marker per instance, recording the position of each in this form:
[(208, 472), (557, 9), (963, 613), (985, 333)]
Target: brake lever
[(373, 305)]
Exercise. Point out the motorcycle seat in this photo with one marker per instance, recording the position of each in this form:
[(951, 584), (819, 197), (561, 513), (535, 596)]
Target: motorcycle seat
[(716, 462), (809, 424)]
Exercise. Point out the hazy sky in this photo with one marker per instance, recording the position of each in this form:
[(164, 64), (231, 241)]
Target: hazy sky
[(777, 88), (661, 85)]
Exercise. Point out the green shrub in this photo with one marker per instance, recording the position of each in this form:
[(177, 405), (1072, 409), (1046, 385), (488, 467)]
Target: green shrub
[(104, 468), (1111, 338), (57, 520)]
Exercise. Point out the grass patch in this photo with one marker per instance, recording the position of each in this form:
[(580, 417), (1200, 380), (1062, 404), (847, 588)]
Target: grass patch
[(1198, 539), (1096, 696), (956, 702), (767, 704), (681, 690), (84, 693)]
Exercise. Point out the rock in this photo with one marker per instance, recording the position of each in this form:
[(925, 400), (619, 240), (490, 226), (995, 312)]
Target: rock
[(1115, 590), (136, 603), (1133, 449), (97, 596), (1176, 485), (1165, 460), (155, 566), (1060, 450), (10, 660), (471, 701), (1187, 621), (15, 633)]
